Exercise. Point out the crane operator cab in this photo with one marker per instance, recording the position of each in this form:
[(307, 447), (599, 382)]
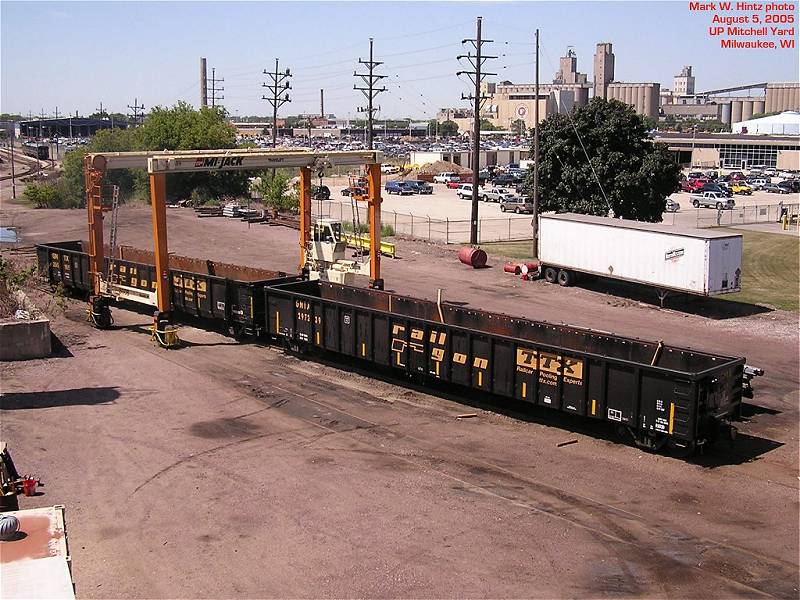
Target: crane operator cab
[(326, 255), (328, 243)]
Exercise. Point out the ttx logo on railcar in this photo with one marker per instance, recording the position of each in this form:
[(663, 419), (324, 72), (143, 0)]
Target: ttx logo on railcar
[(219, 162)]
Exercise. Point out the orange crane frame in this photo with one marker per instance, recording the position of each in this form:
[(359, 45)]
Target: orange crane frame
[(159, 164)]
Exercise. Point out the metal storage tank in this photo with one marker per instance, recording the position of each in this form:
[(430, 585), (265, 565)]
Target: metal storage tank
[(736, 111), (758, 107), (627, 94), (747, 110)]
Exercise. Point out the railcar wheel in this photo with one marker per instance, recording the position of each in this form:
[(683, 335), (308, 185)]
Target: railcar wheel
[(681, 449), (550, 275)]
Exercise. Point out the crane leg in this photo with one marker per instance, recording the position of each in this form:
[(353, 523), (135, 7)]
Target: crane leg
[(374, 180), (98, 312)]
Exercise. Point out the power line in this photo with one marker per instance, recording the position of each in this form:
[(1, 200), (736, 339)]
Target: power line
[(279, 84), (370, 92), (476, 76)]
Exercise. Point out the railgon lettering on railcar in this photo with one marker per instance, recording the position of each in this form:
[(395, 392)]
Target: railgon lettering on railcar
[(218, 162)]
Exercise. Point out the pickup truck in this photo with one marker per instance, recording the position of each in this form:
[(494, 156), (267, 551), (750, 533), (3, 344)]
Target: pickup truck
[(712, 200), (495, 195), (419, 187), (401, 188), (464, 191)]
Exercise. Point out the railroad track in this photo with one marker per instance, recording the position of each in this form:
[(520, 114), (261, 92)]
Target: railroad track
[(33, 164)]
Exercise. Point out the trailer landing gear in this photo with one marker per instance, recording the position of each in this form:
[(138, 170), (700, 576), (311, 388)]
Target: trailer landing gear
[(98, 313)]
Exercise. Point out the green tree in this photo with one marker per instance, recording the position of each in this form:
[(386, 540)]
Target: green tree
[(635, 173), (448, 129), (177, 128), (276, 192), (486, 125), (519, 127)]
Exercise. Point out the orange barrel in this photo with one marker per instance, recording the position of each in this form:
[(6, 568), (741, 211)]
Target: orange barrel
[(511, 268), (474, 257)]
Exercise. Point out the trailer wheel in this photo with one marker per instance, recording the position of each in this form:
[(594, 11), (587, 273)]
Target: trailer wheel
[(550, 275), (565, 278)]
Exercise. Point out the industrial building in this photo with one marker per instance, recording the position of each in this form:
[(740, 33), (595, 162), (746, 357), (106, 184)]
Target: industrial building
[(67, 127), (733, 151), (785, 123), (464, 158)]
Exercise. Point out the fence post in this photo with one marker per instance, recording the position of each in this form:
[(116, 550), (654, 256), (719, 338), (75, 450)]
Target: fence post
[(412, 225), (509, 228), (429, 228), (395, 222), (447, 230)]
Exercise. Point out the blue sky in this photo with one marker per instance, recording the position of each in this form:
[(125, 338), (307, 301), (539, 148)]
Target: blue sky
[(73, 55)]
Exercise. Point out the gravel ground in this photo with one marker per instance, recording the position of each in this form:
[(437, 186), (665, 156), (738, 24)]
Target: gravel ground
[(235, 470)]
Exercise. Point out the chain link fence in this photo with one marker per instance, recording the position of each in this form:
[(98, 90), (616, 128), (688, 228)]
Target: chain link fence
[(423, 227), (741, 215)]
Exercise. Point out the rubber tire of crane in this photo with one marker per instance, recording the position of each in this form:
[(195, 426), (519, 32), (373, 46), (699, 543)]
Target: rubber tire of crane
[(550, 275), (565, 278)]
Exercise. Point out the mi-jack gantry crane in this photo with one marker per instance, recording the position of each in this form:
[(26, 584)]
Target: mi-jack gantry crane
[(321, 252)]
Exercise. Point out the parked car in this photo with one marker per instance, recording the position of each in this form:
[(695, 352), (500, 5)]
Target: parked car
[(712, 200), (484, 175), (389, 169), (454, 184), (515, 204), (758, 183), (401, 188), (320, 192), (740, 187), (672, 206), (774, 188), (507, 179), (359, 190), (694, 175), (771, 172), (420, 187), (712, 175), (693, 185), (445, 177), (715, 187), (736, 176), (496, 195), (464, 191), (793, 185)]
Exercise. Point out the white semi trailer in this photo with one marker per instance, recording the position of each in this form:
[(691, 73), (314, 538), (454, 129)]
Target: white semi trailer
[(704, 262)]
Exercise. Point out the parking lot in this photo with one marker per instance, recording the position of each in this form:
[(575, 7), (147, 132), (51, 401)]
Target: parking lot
[(443, 216)]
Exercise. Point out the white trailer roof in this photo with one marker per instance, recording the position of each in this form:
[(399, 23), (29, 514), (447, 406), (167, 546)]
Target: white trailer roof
[(706, 234)]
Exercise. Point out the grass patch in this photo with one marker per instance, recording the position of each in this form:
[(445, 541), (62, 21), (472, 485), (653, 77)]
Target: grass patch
[(770, 267), (770, 270)]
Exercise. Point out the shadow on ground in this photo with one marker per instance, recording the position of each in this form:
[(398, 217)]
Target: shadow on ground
[(74, 397)]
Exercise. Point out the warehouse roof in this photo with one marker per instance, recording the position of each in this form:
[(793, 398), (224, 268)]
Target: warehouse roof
[(705, 234)]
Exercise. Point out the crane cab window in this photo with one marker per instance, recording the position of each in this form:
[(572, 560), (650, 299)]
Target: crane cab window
[(327, 232)]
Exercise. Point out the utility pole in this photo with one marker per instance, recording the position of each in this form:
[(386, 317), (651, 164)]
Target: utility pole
[(322, 103), (135, 108), (476, 76), (370, 92), (203, 83), (278, 84), (215, 89), (535, 219), (13, 173)]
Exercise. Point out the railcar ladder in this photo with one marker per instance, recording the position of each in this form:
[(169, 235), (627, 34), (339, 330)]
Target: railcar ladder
[(112, 240)]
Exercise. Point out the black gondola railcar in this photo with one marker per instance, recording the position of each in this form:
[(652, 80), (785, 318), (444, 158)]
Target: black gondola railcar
[(660, 394), (228, 295)]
